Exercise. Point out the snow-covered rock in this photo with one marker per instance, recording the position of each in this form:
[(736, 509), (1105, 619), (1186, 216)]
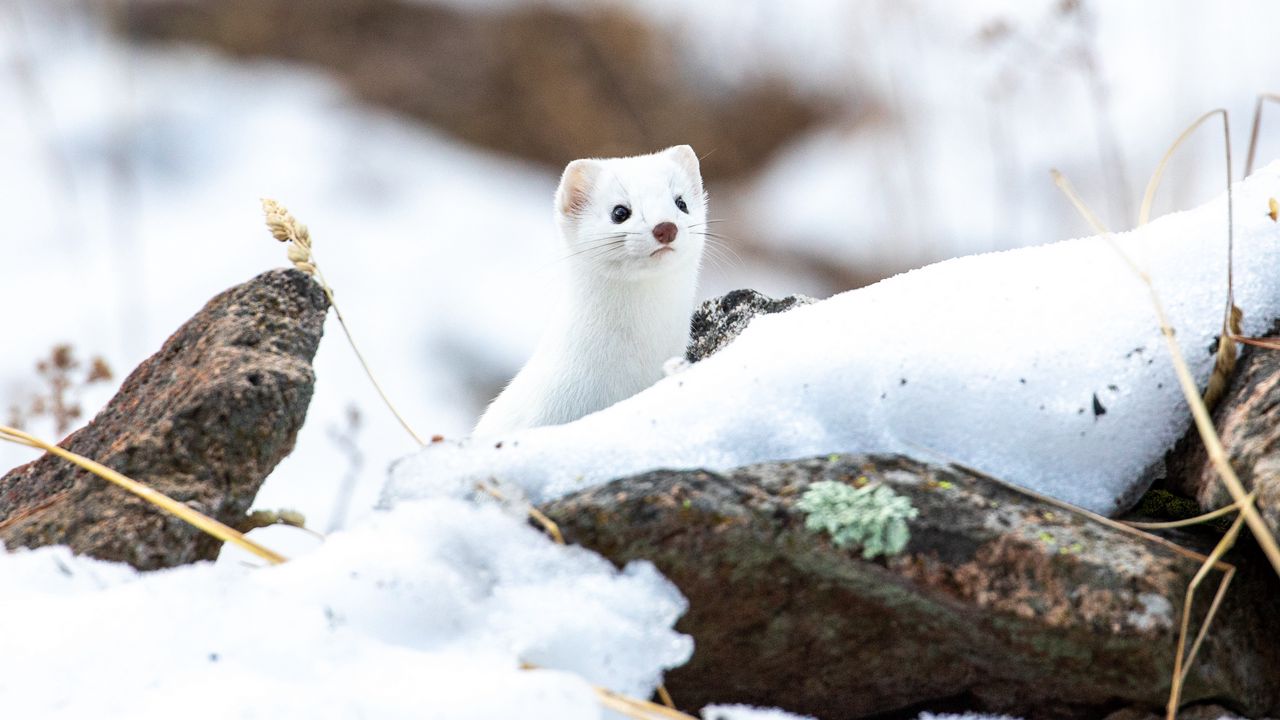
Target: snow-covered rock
[(1044, 366)]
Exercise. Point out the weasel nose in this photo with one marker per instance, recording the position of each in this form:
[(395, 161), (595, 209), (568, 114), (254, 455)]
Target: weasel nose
[(665, 233)]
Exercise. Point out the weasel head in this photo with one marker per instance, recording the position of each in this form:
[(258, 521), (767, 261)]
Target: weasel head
[(634, 217)]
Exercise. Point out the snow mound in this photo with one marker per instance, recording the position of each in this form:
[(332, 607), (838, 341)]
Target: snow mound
[(1043, 366), (425, 611)]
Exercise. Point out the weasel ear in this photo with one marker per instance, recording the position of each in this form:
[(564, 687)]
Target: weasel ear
[(575, 187), (686, 158)]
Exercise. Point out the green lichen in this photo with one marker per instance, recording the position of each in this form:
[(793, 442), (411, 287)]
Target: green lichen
[(1072, 549), (873, 516)]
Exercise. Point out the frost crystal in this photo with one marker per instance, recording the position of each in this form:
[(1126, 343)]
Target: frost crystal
[(873, 516)]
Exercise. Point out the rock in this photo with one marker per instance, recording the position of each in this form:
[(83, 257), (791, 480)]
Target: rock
[(1005, 601), (718, 321), (1248, 421), (536, 81), (1194, 712), (204, 420)]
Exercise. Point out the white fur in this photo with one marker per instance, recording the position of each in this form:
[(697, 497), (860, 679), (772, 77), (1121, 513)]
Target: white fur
[(625, 310)]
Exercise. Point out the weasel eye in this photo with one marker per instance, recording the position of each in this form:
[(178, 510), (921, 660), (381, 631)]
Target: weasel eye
[(680, 204), (620, 213)]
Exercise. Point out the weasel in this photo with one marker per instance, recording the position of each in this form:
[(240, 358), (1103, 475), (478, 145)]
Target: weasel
[(634, 230)]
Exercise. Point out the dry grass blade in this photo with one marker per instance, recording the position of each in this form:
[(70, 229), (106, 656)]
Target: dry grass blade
[(629, 706), (1187, 522), (1144, 214), (1258, 342), (1257, 123), (665, 696), (1224, 363), (164, 502), (1181, 666), (638, 709), (1226, 353), (285, 228), (538, 516)]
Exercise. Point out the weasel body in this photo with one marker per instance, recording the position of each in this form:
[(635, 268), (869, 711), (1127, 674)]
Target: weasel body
[(634, 231)]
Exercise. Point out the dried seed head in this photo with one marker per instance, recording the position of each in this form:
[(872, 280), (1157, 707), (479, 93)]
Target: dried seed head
[(63, 357), (301, 235), (298, 254), (283, 226), (99, 371), (286, 228), (277, 219)]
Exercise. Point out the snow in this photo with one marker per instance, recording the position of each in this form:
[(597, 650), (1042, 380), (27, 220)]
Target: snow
[(746, 712), (963, 716), (425, 611), (1043, 366)]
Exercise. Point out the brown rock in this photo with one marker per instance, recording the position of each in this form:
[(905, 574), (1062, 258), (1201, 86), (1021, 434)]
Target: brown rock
[(204, 420), (1000, 601), (1248, 421), (536, 82)]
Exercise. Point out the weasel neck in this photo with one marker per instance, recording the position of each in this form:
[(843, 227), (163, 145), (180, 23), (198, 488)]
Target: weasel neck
[(642, 318)]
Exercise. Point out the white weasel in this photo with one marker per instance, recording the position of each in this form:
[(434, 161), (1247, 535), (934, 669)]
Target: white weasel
[(634, 229)]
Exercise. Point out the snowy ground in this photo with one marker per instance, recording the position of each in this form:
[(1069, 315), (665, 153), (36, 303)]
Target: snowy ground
[(129, 194), (424, 612)]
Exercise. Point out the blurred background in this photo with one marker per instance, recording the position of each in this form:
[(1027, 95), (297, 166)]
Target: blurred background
[(421, 141)]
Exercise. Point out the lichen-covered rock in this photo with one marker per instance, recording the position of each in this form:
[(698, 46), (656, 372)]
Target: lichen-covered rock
[(719, 320), (1014, 604), (204, 420)]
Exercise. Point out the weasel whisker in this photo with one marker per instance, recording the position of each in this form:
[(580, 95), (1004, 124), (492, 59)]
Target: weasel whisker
[(602, 245)]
